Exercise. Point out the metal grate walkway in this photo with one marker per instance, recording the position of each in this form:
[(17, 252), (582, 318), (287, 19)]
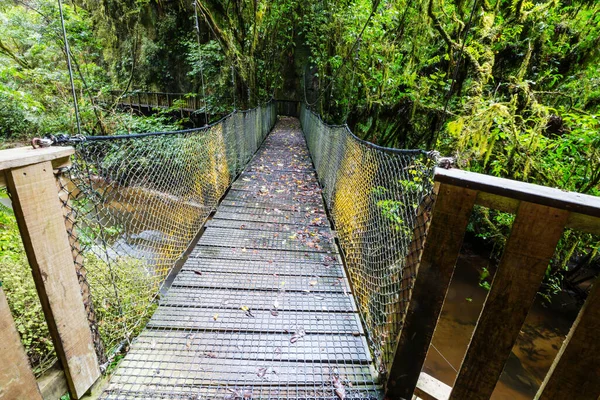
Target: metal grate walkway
[(262, 309)]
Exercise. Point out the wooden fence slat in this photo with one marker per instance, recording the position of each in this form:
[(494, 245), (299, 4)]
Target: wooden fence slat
[(530, 246), (16, 378), (40, 219), (451, 213), (575, 373)]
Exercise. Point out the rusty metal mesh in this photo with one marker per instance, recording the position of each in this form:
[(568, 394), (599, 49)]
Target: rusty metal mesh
[(133, 205), (378, 199)]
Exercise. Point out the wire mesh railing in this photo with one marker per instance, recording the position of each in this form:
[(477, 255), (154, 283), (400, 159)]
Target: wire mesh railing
[(133, 205), (378, 199)]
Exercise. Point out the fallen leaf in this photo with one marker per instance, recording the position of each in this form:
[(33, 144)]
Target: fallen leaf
[(339, 389), (274, 312), (297, 335), (261, 372), (313, 283), (198, 272), (210, 354), (190, 338), (216, 316)]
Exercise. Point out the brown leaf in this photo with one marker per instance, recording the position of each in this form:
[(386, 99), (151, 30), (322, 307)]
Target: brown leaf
[(189, 341), (339, 388), (261, 372), (297, 335), (198, 272)]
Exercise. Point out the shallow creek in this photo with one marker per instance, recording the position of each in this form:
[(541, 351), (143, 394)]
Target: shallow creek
[(539, 340)]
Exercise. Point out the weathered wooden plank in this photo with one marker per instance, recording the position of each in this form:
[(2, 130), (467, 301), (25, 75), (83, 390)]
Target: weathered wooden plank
[(16, 378), (429, 388), (216, 319), (162, 369), (253, 346), (330, 268), (40, 219), (189, 278), (530, 246), (22, 156), (258, 300), (556, 198), (451, 213), (575, 373), (576, 221)]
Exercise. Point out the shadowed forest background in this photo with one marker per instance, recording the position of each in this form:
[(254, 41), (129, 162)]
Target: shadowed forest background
[(510, 88)]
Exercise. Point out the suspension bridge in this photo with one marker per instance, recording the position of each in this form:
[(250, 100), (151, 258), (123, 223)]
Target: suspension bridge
[(266, 257)]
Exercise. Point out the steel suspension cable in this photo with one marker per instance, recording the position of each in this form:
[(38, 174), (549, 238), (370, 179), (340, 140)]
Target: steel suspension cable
[(206, 121), (68, 56), (358, 38), (455, 73)]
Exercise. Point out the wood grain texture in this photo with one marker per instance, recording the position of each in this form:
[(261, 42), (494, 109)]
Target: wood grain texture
[(40, 219), (530, 246), (16, 378), (576, 221), (451, 213), (570, 201), (21, 156), (575, 373)]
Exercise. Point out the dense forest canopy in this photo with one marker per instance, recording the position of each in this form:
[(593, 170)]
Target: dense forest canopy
[(509, 87)]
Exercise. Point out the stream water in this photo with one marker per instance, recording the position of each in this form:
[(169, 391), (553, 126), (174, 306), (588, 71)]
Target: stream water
[(538, 343)]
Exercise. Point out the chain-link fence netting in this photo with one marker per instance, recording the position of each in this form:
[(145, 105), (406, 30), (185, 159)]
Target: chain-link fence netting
[(134, 203), (379, 200)]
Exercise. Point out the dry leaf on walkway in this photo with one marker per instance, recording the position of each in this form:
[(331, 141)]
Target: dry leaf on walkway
[(297, 335), (339, 388)]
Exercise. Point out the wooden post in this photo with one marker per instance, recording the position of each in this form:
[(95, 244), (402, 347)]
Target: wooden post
[(37, 207), (575, 373), (16, 378), (451, 213), (530, 246)]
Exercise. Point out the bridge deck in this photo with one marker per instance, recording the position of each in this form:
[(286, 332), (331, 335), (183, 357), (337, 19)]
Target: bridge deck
[(262, 308)]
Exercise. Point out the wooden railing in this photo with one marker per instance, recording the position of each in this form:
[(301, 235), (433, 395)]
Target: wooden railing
[(542, 214), (29, 176)]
